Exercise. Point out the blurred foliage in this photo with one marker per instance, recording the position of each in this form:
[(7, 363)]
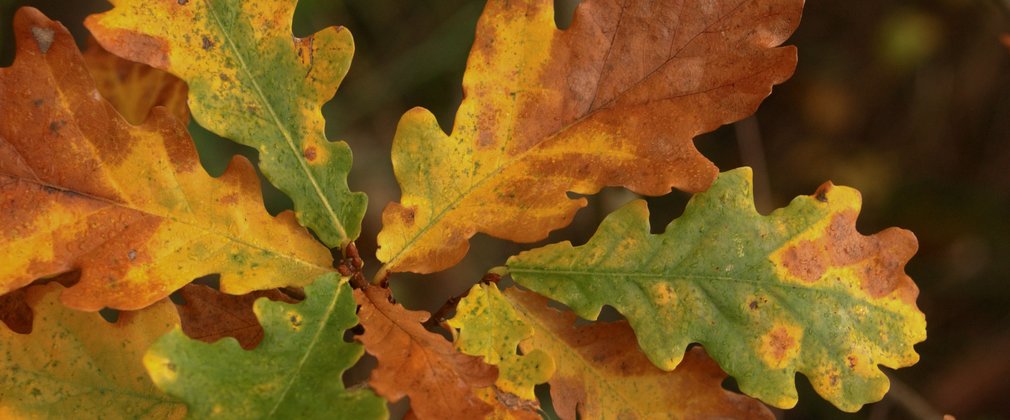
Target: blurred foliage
[(908, 101)]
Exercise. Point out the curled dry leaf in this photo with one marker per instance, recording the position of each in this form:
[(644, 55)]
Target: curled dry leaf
[(209, 315), (440, 381), (614, 100), (77, 364), (134, 88), (799, 290), (251, 81), (128, 206)]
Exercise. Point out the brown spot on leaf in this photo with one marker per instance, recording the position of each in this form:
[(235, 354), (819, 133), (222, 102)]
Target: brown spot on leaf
[(781, 342), (309, 153), (852, 359), (207, 43), (183, 2), (38, 103), (805, 260), (55, 126)]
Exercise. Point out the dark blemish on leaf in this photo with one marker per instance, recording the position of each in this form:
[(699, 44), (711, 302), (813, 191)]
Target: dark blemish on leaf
[(753, 305), (822, 192), (207, 43), (55, 126), (183, 2), (408, 217), (36, 393), (38, 103), (310, 153), (852, 361), (43, 38), (170, 366), (224, 77), (132, 255)]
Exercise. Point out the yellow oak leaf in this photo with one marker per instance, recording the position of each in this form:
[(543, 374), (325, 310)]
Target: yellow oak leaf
[(614, 100), (128, 206)]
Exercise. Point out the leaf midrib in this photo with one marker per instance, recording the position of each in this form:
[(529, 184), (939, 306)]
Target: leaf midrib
[(262, 99), (546, 139), (170, 218), (341, 287)]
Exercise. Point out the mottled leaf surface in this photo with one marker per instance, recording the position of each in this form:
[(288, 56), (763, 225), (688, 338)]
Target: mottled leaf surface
[(614, 100), (209, 315), (440, 381), (486, 325), (600, 372), (128, 206), (252, 81), (296, 371), (77, 364), (799, 290), (134, 88)]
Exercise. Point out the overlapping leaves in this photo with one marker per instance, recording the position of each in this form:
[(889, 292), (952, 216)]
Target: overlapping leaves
[(799, 290), (614, 100), (295, 371), (595, 371), (128, 206), (76, 363), (251, 81)]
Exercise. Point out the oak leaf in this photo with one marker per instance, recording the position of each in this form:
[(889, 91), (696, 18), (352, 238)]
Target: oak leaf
[(487, 325), (128, 206), (76, 363), (600, 372), (251, 81), (799, 290), (296, 371), (209, 315), (414, 362), (614, 100), (134, 88)]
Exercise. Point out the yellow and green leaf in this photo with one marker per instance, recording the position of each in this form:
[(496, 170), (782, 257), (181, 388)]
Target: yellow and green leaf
[(296, 371), (77, 364), (128, 206), (600, 372), (487, 325), (614, 100), (252, 81), (799, 290)]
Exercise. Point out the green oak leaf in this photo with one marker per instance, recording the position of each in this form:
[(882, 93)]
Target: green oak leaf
[(251, 81), (294, 372), (799, 290)]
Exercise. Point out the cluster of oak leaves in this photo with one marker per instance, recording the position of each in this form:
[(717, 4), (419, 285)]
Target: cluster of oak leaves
[(105, 204)]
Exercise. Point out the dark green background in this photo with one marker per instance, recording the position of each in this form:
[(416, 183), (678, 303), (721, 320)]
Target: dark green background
[(908, 101)]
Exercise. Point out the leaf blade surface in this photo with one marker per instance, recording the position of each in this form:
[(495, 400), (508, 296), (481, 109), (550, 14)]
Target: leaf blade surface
[(799, 290), (128, 206), (614, 100), (252, 82)]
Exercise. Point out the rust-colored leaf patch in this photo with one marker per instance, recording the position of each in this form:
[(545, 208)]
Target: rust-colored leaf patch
[(209, 315), (615, 100), (440, 381), (130, 207)]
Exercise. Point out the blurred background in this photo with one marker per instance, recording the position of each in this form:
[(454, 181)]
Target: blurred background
[(907, 101)]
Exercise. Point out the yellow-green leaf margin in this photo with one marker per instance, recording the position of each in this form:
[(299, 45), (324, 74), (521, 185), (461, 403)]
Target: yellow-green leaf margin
[(799, 290), (487, 325)]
